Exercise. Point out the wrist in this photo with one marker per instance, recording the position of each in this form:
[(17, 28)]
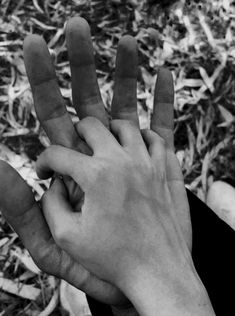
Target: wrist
[(167, 294)]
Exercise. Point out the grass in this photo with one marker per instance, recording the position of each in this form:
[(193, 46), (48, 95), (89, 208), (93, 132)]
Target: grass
[(196, 40)]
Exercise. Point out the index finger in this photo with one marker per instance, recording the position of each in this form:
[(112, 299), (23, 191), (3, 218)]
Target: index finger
[(48, 101)]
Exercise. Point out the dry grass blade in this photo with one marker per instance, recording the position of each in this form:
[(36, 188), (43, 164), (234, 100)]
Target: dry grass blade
[(22, 290)]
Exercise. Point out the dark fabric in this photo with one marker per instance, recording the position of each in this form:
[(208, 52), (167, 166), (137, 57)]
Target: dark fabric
[(97, 308), (212, 252), (213, 255)]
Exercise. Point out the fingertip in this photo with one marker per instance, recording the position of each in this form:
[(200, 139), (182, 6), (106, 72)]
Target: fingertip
[(127, 57), (43, 174), (33, 41), (58, 187), (42, 170), (164, 90), (78, 39), (33, 47), (128, 43), (77, 23), (37, 60), (165, 73)]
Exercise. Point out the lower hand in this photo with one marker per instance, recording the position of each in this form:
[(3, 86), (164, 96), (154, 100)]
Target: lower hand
[(27, 220)]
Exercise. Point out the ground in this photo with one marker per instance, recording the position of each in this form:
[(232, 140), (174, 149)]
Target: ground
[(194, 39)]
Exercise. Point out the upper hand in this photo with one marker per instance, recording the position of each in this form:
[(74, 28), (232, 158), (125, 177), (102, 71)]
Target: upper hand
[(127, 204), (127, 231)]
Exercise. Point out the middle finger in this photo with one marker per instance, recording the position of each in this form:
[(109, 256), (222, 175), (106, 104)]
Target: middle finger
[(85, 90)]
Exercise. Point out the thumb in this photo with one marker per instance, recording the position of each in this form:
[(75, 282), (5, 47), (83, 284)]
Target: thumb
[(59, 213)]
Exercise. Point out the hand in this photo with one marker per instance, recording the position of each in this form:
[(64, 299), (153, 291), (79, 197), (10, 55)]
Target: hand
[(27, 220), (127, 232)]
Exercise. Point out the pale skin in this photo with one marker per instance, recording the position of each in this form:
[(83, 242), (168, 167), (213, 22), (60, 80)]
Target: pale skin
[(127, 232), (28, 221)]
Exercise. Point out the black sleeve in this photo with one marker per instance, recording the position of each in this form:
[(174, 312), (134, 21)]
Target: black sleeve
[(212, 252), (213, 257)]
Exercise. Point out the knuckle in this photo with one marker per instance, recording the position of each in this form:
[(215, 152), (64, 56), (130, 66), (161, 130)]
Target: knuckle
[(84, 279), (151, 172), (149, 169), (160, 142), (161, 174), (66, 265), (118, 123), (61, 235), (46, 154), (129, 163), (50, 260), (87, 124), (44, 260), (101, 169), (89, 120)]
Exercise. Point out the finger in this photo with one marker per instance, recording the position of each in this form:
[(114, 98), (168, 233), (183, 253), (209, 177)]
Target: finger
[(162, 120), (96, 135), (127, 133), (85, 90), (124, 103), (58, 211), (64, 161), (156, 148), (49, 104)]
